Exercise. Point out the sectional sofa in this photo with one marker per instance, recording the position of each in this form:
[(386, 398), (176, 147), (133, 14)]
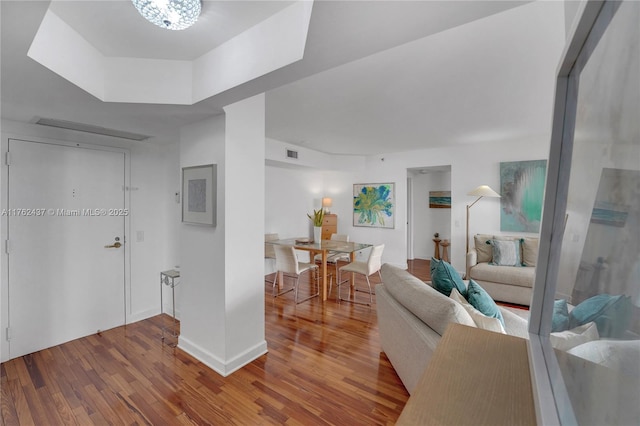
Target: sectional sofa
[(412, 317)]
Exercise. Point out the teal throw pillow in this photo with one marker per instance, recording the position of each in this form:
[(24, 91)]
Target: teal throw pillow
[(433, 265), (612, 314), (444, 277), (506, 252), (560, 319), (482, 301)]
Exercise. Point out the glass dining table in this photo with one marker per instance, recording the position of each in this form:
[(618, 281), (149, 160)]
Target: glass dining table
[(323, 248)]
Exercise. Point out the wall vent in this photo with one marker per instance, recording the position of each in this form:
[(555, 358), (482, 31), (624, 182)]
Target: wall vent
[(88, 128), (292, 154)]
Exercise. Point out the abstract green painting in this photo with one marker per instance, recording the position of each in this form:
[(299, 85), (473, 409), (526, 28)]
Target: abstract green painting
[(522, 190), (373, 205)]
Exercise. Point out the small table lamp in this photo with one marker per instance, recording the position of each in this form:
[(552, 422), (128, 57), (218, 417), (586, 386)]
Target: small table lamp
[(326, 203)]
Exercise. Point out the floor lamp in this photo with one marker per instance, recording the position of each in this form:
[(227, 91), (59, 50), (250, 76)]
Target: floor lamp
[(481, 191)]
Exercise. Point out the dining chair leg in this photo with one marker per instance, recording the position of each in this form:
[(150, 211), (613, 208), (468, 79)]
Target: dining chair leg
[(275, 282), (339, 283), (275, 286), (364, 291), (370, 296), (317, 293)]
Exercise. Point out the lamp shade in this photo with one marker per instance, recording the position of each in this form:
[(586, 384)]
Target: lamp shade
[(170, 14), (326, 202), (484, 191)]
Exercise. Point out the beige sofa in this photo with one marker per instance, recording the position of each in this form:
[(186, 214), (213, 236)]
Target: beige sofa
[(512, 284), (412, 316)]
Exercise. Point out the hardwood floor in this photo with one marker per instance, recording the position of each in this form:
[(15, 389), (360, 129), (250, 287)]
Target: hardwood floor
[(324, 366)]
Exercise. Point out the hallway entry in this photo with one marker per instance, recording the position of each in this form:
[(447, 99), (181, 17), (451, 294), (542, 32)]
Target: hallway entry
[(423, 218)]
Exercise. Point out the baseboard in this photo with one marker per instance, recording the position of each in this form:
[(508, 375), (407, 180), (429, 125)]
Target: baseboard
[(216, 364), (139, 316)]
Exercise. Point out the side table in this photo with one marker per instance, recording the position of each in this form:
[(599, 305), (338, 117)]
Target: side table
[(436, 254), (445, 247), (168, 278)]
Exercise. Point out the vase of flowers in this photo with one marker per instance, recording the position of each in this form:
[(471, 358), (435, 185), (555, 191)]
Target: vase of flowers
[(317, 219)]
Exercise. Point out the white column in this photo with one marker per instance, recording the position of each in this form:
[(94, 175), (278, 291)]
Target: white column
[(244, 230), (222, 306)]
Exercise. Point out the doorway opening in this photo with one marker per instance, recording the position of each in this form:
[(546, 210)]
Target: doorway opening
[(428, 212)]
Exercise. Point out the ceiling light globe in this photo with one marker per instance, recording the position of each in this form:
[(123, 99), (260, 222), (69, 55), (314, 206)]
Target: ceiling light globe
[(170, 14)]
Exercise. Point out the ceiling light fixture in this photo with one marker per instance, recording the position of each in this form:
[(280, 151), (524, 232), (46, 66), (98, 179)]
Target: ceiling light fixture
[(170, 14)]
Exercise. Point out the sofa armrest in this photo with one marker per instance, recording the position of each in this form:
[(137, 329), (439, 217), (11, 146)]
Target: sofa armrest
[(472, 260)]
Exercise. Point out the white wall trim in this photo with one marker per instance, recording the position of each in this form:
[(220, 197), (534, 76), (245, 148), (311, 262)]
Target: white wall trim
[(139, 316), (216, 364)]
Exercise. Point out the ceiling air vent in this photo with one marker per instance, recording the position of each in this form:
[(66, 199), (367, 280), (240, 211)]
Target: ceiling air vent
[(88, 128), (292, 154)]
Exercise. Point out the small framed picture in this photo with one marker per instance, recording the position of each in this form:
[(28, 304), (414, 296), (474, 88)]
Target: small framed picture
[(199, 195), (439, 199)]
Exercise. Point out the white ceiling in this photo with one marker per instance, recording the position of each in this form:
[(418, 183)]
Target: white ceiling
[(377, 76)]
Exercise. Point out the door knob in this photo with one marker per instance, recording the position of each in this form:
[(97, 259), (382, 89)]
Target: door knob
[(117, 244)]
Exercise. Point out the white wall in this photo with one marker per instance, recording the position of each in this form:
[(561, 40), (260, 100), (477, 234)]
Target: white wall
[(471, 165), (427, 221), (153, 211), (202, 248)]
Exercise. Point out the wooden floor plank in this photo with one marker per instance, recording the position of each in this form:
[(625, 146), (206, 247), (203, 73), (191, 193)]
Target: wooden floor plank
[(324, 366)]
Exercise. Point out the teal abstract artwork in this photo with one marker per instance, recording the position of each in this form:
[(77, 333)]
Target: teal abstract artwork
[(373, 205), (522, 189)]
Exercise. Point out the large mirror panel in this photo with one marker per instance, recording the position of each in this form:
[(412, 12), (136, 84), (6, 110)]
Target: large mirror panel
[(595, 321)]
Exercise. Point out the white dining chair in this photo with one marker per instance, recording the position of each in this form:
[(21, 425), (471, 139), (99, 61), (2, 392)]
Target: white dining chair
[(368, 268), (287, 263), (269, 252)]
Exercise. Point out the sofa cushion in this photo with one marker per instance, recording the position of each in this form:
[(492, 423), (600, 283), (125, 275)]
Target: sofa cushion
[(520, 276), (444, 277), (483, 247), (567, 339), (621, 355), (432, 307), (530, 251), (506, 252), (482, 321), (612, 314), (514, 324), (560, 319), (480, 299)]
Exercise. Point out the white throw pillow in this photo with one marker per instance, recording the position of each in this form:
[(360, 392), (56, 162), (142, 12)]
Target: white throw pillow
[(567, 339), (482, 321)]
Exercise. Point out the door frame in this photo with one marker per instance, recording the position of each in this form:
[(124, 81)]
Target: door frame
[(4, 225)]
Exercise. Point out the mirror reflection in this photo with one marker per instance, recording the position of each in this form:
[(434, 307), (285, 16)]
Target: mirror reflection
[(596, 320)]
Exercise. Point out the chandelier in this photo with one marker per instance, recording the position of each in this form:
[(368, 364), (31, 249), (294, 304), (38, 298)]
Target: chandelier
[(169, 14)]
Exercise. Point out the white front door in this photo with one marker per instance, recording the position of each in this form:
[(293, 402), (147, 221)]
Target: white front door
[(65, 204)]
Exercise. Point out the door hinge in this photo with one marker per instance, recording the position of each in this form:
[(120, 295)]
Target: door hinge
[(6, 246), (8, 333), (7, 158)]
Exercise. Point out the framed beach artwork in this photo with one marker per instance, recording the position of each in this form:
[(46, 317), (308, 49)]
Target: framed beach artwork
[(439, 199), (522, 192), (199, 195), (374, 205)]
